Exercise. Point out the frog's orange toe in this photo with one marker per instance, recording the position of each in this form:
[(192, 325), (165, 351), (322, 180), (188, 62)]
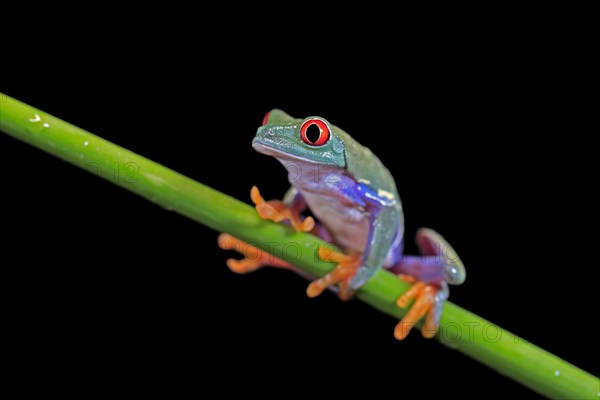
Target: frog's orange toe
[(345, 270), (428, 300), (228, 242), (254, 258), (410, 294), (256, 196), (276, 210), (243, 266), (307, 225)]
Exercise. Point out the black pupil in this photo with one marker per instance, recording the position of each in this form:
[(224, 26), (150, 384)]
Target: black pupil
[(313, 133)]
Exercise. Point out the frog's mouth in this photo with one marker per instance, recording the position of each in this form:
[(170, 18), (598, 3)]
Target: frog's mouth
[(280, 154)]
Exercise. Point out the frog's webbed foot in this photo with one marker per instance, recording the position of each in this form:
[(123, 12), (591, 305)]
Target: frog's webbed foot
[(347, 266), (429, 300), (430, 275), (254, 258), (276, 210)]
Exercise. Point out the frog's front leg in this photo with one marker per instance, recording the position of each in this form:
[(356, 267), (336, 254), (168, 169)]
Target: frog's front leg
[(430, 274), (354, 269), (254, 258), (287, 210)]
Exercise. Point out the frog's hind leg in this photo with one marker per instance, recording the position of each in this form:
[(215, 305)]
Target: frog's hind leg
[(347, 265), (428, 302), (430, 275)]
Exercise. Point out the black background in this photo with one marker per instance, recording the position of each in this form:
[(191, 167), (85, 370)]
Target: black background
[(486, 153)]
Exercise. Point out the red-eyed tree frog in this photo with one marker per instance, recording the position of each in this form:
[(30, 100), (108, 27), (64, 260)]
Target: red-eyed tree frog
[(355, 200)]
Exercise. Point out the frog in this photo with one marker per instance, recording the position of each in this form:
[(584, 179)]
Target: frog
[(357, 207)]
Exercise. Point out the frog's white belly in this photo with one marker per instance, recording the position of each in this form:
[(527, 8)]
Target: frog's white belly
[(348, 224)]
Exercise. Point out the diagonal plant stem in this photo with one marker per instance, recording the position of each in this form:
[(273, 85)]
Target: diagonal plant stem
[(459, 328)]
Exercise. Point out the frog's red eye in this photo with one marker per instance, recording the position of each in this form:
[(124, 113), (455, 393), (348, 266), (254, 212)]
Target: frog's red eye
[(266, 118), (315, 132)]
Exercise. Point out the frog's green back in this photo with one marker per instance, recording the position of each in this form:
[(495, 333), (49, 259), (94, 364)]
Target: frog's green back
[(363, 165)]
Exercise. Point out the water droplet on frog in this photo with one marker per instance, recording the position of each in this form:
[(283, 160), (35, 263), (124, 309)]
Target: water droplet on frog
[(86, 143), (556, 373), (46, 125)]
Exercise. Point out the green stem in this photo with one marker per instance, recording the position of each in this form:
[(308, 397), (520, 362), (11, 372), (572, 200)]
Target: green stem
[(459, 329)]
